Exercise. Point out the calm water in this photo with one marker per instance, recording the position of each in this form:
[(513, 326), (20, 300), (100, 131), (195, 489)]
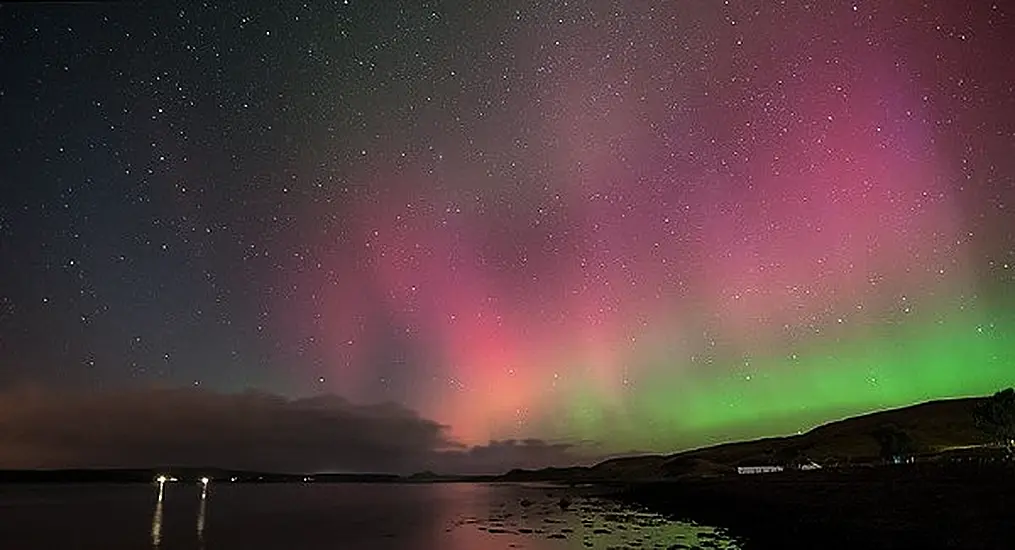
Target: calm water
[(332, 516)]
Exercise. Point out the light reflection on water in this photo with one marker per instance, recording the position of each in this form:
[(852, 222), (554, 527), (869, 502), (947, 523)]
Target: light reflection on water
[(201, 509), (364, 517), (157, 522), (483, 516)]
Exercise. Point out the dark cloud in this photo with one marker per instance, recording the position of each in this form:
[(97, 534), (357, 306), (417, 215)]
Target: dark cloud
[(194, 427)]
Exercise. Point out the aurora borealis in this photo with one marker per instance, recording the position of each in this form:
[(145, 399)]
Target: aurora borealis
[(621, 225)]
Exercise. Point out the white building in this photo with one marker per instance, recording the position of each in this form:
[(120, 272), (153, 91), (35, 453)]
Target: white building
[(766, 469), (809, 465)]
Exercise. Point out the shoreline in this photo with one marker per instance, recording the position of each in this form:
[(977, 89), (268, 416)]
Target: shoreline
[(872, 508)]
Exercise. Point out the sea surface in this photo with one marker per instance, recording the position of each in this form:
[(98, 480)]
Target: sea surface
[(454, 516)]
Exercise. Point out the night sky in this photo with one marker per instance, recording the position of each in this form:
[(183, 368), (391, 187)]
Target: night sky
[(593, 226)]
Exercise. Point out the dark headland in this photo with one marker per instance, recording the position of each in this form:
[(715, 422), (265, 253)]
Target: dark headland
[(925, 476)]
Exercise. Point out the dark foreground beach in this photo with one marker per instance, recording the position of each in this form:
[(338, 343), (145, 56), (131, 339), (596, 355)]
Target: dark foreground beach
[(913, 506)]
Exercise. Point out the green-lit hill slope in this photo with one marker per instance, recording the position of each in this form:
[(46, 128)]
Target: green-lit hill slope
[(933, 427)]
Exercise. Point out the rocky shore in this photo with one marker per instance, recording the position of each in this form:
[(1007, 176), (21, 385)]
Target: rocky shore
[(899, 507)]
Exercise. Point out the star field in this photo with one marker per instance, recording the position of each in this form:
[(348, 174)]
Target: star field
[(645, 225)]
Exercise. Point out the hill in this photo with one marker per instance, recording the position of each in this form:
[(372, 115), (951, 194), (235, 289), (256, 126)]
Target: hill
[(933, 427)]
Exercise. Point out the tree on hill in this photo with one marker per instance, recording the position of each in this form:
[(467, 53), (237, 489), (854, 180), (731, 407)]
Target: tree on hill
[(995, 417), (895, 444)]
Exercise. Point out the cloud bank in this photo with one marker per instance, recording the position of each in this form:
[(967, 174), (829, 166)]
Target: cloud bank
[(42, 428)]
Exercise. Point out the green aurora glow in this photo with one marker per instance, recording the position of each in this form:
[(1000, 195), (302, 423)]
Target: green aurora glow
[(967, 354)]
